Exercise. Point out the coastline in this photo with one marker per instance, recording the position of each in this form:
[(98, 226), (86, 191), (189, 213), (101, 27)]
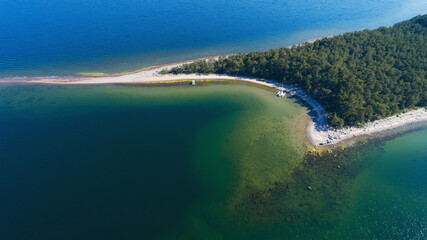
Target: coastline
[(331, 136), (318, 131), (84, 77)]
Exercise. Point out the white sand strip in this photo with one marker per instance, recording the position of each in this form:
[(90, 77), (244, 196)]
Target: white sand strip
[(319, 132), (333, 136)]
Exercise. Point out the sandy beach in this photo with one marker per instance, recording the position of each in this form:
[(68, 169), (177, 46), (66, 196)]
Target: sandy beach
[(330, 136), (319, 132)]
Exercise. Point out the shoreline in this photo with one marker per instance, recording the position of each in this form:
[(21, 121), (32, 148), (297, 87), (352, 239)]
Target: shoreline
[(332, 136), (88, 75), (318, 131)]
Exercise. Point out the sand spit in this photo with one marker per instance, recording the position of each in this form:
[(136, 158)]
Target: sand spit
[(319, 132)]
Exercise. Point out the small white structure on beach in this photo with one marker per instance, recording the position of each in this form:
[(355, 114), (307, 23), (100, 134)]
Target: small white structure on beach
[(280, 94), (192, 83)]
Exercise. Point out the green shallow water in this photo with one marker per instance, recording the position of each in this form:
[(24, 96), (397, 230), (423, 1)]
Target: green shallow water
[(389, 198), (205, 162)]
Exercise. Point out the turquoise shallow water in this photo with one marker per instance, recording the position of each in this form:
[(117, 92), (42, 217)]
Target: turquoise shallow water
[(389, 198), (44, 38), (211, 162)]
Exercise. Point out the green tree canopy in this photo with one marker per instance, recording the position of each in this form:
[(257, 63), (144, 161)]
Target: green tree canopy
[(358, 77)]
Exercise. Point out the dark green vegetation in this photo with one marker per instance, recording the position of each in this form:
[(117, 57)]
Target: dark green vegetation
[(358, 77)]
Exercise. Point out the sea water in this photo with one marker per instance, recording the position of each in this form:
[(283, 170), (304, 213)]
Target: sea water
[(127, 162), (205, 162), (44, 38)]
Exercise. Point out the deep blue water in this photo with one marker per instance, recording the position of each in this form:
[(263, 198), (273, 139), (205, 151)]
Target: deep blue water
[(45, 37)]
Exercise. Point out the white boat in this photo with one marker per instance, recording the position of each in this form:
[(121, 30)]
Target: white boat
[(280, 94)]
